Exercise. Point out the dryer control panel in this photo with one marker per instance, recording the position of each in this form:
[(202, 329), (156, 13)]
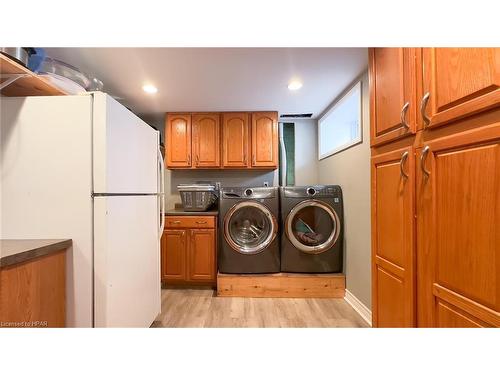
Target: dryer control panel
[(313, 191)]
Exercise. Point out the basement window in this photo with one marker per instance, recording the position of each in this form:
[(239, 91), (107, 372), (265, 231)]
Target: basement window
[(340, 127)]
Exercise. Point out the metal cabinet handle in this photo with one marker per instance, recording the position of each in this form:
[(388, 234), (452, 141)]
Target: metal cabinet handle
[(189, 159), (423, 107), (403, 115), (201, 222), (402, 163), (254, 160), (175, 222), (245, 159), (423, 158)]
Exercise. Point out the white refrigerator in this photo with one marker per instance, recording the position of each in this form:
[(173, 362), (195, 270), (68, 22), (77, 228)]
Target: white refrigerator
[(85, 167)]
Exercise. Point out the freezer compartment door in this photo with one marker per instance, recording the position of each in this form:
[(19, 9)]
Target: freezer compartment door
[(124, 149), (126, 261)]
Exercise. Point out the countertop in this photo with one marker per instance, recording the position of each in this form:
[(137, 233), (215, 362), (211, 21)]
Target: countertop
[(181, 212), (17, 251)]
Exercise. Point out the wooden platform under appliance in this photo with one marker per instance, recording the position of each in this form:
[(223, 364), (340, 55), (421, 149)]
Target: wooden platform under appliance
[(291, 285)]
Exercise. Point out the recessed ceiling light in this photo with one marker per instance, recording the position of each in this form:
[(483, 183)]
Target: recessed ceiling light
[(294, 85), (150, 89)]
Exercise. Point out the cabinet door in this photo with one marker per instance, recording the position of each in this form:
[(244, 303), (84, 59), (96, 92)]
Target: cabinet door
[(265, 139), (393, 93), (458, 205), (393, 188), (178, 130), (459, 82), (201, 257), (206, 136), (235, 136), (173, 255)]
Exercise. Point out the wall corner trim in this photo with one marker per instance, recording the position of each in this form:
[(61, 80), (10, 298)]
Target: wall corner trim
[(359, 307)]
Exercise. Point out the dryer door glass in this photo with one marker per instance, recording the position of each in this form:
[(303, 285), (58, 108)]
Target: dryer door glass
[(312, 226), (249, 227)]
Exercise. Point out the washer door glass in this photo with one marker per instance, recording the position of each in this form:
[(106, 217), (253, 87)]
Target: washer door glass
[(312, 226), (249, 227)]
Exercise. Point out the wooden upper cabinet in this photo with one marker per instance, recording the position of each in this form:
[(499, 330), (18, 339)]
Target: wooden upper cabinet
[(206, 136), (459, 82), (201, 255), (173, 257), (393, 191), (393, 93), (246, 140), (178, 131), (265, 139), (458, 205), (235, 140)]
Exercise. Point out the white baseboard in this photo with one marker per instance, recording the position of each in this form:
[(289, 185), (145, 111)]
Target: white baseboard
[(357, 305)]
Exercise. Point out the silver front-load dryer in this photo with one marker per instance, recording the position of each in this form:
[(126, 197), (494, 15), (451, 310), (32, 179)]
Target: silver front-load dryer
[(312, 229)]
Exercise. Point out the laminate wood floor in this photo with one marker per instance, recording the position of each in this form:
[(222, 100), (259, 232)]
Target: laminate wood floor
[(182, 308)]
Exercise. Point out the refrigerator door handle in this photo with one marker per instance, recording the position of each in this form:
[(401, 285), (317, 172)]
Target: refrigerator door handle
[(162, 191)]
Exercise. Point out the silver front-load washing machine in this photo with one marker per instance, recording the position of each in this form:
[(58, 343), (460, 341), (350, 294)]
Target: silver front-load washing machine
[(249, 226)]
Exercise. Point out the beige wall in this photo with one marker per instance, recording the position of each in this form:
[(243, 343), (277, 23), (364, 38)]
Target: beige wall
[(227, 178), (351, 170)]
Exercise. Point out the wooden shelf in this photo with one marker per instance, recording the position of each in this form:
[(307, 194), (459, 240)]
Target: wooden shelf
[(30, 85)]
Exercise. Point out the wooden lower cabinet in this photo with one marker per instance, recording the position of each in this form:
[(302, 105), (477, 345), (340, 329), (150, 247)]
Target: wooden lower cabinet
[(458, 205), (393, 190), (201, 255), (173, 254), (188, 251), (33, 293)]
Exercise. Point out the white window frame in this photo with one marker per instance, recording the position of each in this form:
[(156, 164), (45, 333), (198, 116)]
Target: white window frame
[(355, 141)]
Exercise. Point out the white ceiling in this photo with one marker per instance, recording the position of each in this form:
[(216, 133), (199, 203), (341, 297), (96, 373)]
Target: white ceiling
[(220, 79)]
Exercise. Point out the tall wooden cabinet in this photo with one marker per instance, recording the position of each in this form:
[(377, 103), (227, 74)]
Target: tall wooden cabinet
[(393, 94), (436, 243), (459, 82), (459, 239), (393, 193)]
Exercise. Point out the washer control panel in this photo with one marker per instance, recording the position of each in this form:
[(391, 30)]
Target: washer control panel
[(250, 193)]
